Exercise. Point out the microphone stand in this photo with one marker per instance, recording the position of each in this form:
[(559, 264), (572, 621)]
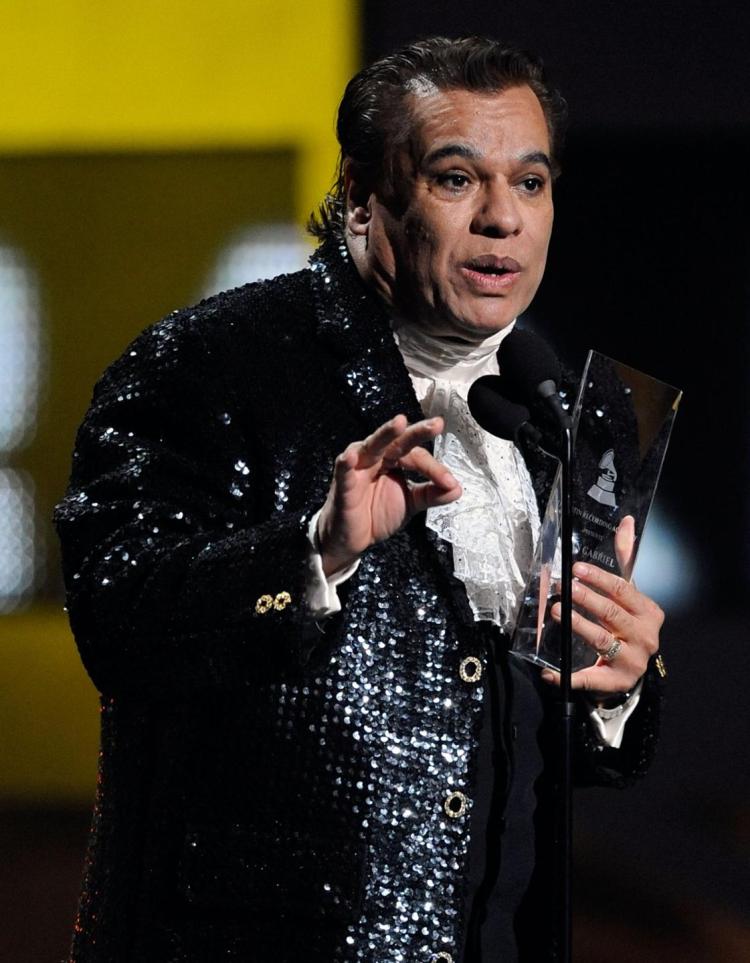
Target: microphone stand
[(547, 390), (567, 707)]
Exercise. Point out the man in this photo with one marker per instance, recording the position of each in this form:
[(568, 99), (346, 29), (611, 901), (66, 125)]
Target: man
[(313, 748)]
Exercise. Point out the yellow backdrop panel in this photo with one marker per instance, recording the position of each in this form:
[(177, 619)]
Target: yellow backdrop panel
[(177, 73), (146, 77), (48, 713)]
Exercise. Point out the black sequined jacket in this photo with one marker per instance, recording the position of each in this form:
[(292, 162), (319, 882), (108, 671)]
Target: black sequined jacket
[(270, 789)]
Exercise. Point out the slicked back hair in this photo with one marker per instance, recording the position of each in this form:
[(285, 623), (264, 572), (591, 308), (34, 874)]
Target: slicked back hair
[(373, 122)]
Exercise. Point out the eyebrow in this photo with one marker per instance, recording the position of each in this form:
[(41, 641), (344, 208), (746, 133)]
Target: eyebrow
[(471, 153), (536, 157), (452, 150)]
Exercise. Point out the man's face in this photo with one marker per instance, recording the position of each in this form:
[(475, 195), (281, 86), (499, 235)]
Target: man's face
[(461, 247)]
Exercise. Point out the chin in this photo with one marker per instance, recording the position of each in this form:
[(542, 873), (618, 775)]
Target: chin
[(482, 326), (482, 316)]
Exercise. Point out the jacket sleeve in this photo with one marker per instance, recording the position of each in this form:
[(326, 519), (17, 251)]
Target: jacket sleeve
[(596, 764), (179, 572)]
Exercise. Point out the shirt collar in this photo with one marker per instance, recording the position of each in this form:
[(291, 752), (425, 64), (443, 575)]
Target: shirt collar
[(432, 356)]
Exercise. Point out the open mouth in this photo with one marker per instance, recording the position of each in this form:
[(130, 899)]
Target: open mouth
[(492, 266), (488, 274)]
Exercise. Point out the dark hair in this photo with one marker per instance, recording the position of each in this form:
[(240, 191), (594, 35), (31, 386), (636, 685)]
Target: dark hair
[(372, 122)]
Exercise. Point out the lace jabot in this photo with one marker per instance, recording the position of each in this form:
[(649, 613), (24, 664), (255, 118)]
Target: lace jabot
[(493, 527)]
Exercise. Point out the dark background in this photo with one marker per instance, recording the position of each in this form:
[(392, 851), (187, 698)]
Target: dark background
[(650, 255), (649, 264)]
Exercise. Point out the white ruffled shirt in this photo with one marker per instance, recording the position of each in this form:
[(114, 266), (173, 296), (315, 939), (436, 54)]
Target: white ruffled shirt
[(493, 527)]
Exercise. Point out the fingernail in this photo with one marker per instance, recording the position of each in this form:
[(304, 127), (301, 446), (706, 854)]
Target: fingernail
[(547, 676), (580, 569)]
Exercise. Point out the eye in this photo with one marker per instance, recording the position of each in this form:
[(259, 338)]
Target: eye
[(454, 180), (532, 184)]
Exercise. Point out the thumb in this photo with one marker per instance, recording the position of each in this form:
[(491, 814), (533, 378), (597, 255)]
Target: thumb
[(625, 546)]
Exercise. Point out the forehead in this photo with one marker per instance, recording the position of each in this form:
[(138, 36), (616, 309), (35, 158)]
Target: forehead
[(511, 121)]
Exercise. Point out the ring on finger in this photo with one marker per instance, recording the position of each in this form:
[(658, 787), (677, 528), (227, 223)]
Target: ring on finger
[(611, 651)]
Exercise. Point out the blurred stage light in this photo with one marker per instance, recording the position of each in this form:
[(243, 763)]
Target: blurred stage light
[(257, 253), (17, 539), (19, 350), (667, 565), (20, 358)]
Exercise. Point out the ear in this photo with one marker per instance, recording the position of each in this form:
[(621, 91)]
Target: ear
[(358, 202)]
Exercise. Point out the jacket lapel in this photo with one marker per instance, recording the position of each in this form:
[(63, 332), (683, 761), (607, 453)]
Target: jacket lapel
[(355, 328), (373, 378)]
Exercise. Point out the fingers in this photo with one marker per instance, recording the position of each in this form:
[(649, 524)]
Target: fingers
[(625, 669), (606, 679), (427, 495), (343, 469), (625, 546), (369, 453), (624, 610), (420, 460), (611, 618), (371, 450), (397, 444), (627, 666), (441, 486), (596, 636), (391, 441), (638, 633), (615, 676), (409, 439), (624, 593), (618, 611)]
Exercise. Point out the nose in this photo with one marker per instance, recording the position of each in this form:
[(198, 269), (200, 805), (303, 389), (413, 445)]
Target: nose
[(498, 213)]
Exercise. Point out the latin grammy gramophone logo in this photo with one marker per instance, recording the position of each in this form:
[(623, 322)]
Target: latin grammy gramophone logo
[(603, 490)]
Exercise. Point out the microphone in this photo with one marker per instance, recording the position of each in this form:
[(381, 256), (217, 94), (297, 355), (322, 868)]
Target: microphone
[(530, 370), (500, 417)]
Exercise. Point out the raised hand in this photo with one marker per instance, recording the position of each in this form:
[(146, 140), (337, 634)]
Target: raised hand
[(370, 498)]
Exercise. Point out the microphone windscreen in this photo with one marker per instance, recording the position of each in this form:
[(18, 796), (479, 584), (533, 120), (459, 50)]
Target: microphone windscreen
[(492, 411), (526, 361)]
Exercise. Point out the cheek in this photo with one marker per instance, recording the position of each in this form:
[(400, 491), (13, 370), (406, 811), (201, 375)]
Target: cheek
[(431, 238), (420, 254), (418, 237)]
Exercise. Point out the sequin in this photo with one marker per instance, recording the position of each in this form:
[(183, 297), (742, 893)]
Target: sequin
[(318, 762)]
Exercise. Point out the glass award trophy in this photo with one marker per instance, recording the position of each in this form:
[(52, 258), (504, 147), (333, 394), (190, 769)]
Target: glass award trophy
[(622, 422)]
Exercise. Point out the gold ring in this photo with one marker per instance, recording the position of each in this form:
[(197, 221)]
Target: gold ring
[(612, 651)]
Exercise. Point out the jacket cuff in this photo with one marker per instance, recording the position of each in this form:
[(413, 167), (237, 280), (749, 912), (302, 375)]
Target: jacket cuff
[(597, 764), (320, 590)]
